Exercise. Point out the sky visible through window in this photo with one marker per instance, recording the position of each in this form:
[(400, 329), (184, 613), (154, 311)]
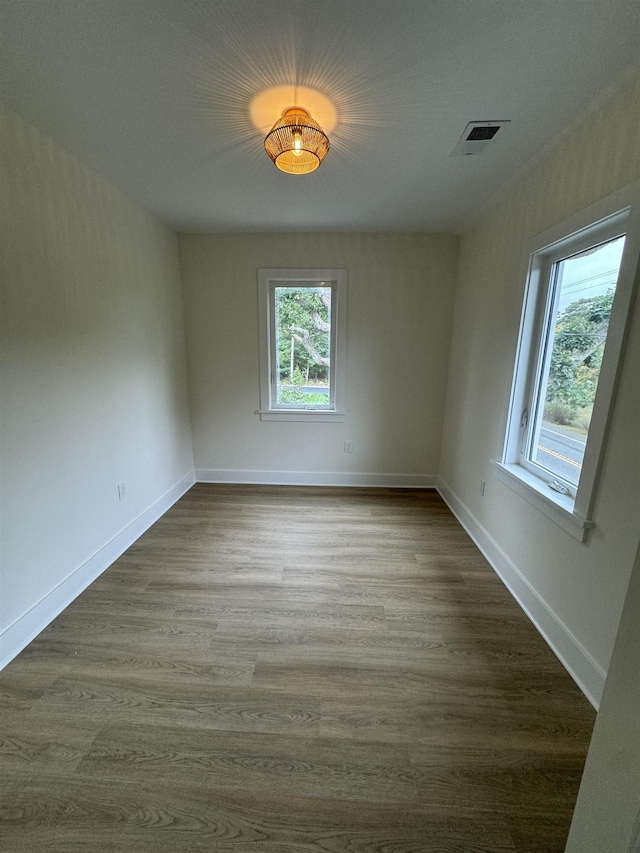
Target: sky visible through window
[(591, 273)]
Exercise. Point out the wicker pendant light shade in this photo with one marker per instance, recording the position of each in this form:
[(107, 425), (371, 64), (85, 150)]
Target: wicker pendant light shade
[(296, 143)]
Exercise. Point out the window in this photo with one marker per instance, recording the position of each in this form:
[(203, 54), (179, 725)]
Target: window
[(576, 304), (302, 343), (580, 289)]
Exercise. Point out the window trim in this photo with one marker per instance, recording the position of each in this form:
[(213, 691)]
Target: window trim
[(572, 513), (268, 280), (546, 303)]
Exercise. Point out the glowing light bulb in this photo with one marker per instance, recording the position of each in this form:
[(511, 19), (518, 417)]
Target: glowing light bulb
[(296, 143)]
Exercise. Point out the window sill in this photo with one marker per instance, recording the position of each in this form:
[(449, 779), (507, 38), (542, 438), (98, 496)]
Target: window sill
[(559, 508), (308, 415)]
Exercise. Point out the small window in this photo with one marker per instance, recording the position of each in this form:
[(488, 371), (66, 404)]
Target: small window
[(302, 331), (571, 335)]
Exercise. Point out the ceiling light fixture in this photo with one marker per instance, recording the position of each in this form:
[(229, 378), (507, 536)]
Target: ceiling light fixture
[(296, 143)]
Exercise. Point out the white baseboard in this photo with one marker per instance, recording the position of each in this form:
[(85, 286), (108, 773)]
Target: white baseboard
[(27, 627), (583, 668), (317, 478)]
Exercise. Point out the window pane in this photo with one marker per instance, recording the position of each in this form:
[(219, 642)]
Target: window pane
[(584, 286), (303, 345)]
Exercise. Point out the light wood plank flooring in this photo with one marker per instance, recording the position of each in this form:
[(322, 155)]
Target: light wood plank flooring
[(289, 670)]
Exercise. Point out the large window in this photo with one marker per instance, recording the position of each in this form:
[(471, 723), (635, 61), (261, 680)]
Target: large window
[(302, 330), (576, 304), (580, 291)]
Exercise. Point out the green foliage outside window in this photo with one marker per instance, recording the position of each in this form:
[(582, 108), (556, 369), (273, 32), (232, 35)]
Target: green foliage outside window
[(580, 335), (303, 316)]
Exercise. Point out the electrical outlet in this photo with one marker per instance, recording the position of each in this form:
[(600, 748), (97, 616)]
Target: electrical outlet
[(348, 447), (122, 490), (481, 487)]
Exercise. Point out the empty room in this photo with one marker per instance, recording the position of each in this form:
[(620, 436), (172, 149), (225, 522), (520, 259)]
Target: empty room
[(319, 426)]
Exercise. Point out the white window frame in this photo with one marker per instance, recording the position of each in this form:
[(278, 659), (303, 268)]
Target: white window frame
[(618, 213), (268, 280)]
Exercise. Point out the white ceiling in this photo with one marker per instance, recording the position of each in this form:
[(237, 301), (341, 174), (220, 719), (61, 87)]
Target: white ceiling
[(155, 95)]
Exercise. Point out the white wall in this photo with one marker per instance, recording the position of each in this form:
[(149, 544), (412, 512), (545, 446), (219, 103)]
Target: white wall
[(578, 588), (94, 387), (607, 814), (400, 296)]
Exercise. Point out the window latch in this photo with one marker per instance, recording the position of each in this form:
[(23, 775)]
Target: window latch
[(557, 486), (524, 420)]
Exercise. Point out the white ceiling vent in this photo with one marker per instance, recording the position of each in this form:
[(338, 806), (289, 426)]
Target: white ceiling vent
[(477, 135)]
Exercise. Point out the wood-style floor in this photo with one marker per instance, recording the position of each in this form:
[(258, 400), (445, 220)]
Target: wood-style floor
[(282, 670)]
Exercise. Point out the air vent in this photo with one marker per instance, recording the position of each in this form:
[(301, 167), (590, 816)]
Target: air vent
[(477, 135)]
